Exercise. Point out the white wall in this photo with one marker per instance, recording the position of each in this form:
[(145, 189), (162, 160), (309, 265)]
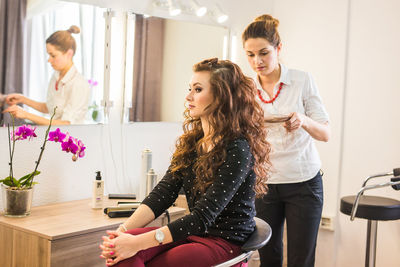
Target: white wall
[(371, 138), (114, 149)]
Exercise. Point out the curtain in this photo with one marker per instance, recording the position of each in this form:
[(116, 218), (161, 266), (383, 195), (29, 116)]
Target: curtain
[(147, 69), (12, 31)]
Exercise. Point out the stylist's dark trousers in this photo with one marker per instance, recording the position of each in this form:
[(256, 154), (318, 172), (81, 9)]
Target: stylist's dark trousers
[(301, 205)]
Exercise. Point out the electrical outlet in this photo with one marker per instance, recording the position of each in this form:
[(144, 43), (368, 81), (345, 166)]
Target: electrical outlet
[(327, 223)]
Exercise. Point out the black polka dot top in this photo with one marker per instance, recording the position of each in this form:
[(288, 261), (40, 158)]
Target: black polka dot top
[(226, 209)]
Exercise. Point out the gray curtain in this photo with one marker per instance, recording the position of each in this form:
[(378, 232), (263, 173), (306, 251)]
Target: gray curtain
[(147, 69), (12, 27)]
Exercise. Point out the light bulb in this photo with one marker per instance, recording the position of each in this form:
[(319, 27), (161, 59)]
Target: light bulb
[(201, 11), (174, 9), (222, 18), (219, 15)]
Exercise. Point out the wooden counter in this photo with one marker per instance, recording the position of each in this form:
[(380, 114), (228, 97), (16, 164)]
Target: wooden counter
[(62, 234)]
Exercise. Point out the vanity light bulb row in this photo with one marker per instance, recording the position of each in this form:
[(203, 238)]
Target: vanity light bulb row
[(174, 9)]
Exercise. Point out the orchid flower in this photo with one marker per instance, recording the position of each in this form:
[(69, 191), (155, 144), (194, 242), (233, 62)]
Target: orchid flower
[(92, 83), (56, 136), (81, 149), (23, 132), (68, 143), (69, 146)]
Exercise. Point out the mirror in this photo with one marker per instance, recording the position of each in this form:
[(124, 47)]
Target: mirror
[(182, 45), (162, 71), (88, 59)]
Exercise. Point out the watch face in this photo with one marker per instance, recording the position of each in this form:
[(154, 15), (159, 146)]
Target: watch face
[(159, 236)]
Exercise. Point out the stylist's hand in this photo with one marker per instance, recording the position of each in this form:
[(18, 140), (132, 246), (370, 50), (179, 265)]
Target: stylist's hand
[(295, 122), (16, 111), (13, 99), (118, 246)]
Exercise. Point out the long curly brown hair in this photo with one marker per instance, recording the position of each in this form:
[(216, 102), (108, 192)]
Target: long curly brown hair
[(234, 113)]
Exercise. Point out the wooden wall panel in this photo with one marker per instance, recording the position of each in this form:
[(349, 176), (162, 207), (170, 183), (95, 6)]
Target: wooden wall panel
[(6, 236), (30, 250)]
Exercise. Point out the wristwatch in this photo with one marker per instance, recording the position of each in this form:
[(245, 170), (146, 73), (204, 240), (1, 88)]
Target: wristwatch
[(159, 236)]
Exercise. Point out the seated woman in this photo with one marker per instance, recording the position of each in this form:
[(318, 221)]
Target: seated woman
[(220, 161), (68, 89)]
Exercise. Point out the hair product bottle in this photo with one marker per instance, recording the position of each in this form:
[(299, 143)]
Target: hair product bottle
[(98, 192), (151, 181), (146, 165)]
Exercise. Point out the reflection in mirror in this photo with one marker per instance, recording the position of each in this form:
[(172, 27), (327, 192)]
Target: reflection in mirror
[(88, 58), (164, 52)]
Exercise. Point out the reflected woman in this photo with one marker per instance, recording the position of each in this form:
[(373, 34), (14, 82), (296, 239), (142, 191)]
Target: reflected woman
[(68, 89)]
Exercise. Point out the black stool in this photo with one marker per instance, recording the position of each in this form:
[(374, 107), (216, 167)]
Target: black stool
[(259, 238), (374, 209)]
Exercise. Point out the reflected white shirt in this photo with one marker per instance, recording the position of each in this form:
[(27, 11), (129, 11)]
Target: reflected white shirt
[(71, 98), (294, 157)]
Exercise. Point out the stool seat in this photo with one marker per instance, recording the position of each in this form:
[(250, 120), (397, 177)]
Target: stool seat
[(372, 207), (259, 238)]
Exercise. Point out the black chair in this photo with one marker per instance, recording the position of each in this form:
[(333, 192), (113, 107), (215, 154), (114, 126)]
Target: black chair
[(257, 240), (374, 209)]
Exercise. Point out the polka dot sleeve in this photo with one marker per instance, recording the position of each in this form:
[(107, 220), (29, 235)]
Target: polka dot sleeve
[(164, 193)]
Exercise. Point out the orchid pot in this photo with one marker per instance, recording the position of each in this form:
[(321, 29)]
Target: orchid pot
[(17, 202)]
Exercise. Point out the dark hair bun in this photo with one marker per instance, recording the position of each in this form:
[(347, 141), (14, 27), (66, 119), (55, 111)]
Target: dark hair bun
[(74, 29)]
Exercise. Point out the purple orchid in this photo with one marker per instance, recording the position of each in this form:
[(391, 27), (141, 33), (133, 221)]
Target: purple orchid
[(92, 83), (69, 145), (23, 132), (81, 148), (57, 136)]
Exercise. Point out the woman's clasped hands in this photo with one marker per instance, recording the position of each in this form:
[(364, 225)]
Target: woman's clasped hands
[(118, 246)]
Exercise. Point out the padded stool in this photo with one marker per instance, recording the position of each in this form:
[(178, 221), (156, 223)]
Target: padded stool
[(259, 238), (374, 209)]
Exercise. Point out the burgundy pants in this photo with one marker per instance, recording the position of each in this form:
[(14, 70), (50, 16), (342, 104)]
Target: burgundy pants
[(194, 251)]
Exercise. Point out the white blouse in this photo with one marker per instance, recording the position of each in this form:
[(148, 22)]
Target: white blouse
[(294, 157), (71, 96)]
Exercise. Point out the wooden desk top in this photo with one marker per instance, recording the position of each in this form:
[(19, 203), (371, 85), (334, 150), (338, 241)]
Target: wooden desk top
[(66, 219)]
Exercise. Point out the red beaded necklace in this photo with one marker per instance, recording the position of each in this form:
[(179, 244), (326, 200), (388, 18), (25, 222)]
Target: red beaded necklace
[(57, 85), (273, 99)]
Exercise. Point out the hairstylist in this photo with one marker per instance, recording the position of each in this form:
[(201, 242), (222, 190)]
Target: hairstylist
[(296, 117)]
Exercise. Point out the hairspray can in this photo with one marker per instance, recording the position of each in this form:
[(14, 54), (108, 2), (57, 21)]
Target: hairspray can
[(146, 165), (151, 181)]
